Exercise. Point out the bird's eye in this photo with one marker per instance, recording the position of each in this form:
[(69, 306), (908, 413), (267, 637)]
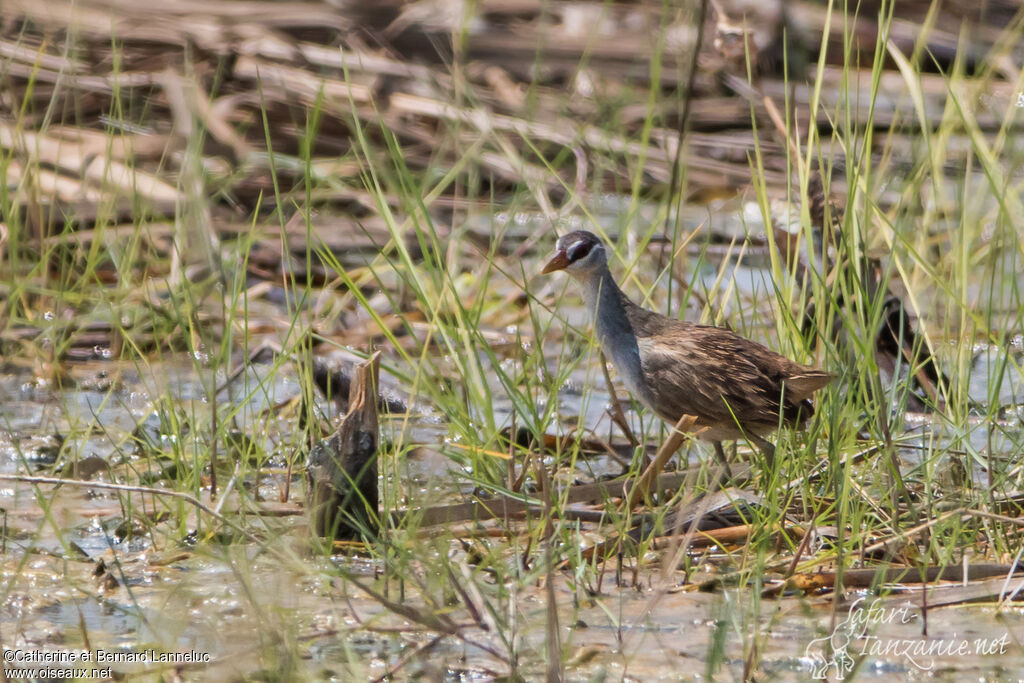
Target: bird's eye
[(578, 251)]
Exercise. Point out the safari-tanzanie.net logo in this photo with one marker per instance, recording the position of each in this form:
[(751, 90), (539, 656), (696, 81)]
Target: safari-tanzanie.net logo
[(858, 636)]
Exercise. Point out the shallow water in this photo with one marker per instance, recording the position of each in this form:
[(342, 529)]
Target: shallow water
[(169, 585), (242, 607)]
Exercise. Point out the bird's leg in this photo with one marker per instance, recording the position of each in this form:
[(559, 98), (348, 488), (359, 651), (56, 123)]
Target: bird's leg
[(720, 452), (766, 447)]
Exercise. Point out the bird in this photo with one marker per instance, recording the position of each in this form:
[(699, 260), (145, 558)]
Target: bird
[(899, 349), (735, 387)]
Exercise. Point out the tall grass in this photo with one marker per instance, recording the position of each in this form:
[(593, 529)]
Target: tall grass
[(946, 211)]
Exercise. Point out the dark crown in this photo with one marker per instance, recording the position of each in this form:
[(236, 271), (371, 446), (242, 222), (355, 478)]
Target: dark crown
[(578, 244)]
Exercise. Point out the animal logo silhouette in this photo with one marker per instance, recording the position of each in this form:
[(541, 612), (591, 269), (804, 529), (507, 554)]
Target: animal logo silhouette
[(832, 651)]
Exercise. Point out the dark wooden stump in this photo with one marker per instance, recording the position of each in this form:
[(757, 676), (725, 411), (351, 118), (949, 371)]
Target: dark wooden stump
[(341, 471)]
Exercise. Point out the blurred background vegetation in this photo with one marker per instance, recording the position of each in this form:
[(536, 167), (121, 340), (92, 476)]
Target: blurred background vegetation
[(211, 210)]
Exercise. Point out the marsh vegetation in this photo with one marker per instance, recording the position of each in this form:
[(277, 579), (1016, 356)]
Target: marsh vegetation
[(212, 212)]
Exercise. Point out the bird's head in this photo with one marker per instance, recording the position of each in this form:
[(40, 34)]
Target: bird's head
[(577, 253)]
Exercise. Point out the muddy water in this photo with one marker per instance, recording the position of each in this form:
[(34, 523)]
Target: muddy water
[(247, 610), (81, 574)]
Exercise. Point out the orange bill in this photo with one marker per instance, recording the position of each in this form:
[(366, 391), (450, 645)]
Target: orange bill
[(559, 262)]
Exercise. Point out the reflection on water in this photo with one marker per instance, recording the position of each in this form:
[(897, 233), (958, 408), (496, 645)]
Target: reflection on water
[(171, 586)]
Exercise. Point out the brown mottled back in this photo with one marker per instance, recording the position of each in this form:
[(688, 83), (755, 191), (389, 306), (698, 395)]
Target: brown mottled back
[(719, 376)]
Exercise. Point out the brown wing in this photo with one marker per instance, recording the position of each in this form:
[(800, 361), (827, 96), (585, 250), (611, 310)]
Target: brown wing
[(722, 378), (807, 381)]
